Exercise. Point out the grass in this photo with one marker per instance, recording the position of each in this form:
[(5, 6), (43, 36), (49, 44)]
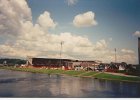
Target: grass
[(117, 77), (90, 73), (99, 75), (35, 70), (73, 72)]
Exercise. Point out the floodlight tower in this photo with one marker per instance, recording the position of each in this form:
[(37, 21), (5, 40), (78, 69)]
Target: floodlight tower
[(61, 45), (115, 56)]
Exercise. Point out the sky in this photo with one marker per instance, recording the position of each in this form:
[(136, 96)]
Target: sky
[(89, 29)]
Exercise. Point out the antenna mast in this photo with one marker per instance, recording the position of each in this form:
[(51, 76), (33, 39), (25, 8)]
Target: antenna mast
[(115, 56), (61, 43)]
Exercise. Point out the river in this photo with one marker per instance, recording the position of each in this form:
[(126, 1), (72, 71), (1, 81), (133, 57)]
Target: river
[(26, 84)]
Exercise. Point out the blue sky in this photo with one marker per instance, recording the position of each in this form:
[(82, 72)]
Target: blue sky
[(99, 25)]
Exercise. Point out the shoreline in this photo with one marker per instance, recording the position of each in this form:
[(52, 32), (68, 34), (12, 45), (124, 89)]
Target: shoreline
[(84, 74)]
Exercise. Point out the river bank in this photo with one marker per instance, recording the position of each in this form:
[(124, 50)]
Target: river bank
[(89, 74)]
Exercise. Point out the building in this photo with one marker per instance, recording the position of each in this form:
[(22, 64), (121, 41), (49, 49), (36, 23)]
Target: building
[(85, 64), (58, 63), (49, 62)]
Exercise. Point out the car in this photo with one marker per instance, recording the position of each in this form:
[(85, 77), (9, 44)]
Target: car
[(100, 69), (88, 69)]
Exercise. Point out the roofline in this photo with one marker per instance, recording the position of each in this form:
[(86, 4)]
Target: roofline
[(66, 59), (52, 58)]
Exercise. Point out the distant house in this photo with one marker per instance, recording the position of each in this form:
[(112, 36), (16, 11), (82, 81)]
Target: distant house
[(121, 67), (112, 67), (85, 64)]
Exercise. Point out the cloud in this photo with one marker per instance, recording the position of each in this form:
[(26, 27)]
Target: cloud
[(45, 21), (101, 45), (137, 33), (71, 2), (85, 20), (127, 51), (130, 59), (22, 38), (12, 12), (7, 50)]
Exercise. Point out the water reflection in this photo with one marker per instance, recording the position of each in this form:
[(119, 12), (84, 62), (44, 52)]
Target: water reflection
[(24, 84)]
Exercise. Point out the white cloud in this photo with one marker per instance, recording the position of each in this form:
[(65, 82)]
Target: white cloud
[(137, 33), (7, 50), (127, 51), (71, 2), (12, 12), (85, 20), (130, 59), (45, 21), (101, 45), (35, 40)]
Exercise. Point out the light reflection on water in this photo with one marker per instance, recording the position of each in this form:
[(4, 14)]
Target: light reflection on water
[(25, 84)]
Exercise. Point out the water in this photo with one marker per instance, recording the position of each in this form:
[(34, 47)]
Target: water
[(25, 84)]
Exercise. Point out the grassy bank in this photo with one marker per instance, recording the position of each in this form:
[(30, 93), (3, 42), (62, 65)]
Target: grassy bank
[(99, 75), (117, 77)]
